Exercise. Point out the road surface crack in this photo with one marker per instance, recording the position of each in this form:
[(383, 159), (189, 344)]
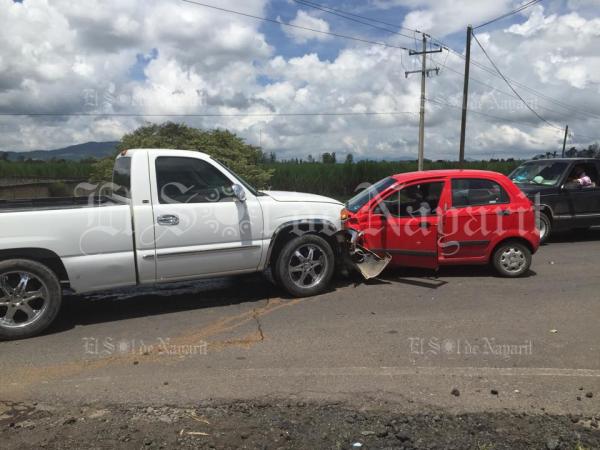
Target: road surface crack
[(258, 325)]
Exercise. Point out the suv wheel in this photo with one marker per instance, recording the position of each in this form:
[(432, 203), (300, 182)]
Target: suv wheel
[(30, 298), (305, 265), (545, 227), (512, 259)]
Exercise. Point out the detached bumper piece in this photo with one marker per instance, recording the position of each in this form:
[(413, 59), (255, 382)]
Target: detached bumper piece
[(368, 263)]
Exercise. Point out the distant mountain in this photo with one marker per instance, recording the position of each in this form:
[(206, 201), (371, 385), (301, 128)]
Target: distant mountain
[(73, 152)]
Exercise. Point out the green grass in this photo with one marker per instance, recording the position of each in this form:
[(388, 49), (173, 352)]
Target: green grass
[(54, 170), (341, 180)]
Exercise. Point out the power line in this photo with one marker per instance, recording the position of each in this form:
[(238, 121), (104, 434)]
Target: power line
[(347, 16), (306, 114), (491, 116), (531, 90), (279, 22), (476, 63), (496, 89), (361, 17), (508, 14), (510, 85)]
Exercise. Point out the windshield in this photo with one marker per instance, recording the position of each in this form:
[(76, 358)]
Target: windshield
[(363, 197), (243, 182), (546, 173)]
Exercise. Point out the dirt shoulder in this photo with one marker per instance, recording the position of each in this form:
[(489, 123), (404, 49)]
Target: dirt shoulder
[(285, 424)]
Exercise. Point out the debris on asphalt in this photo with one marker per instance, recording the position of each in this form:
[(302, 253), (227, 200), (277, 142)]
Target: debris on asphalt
[(455, 392), (494, 392), (553, 331), (197, 433), (552, 444), (589, 394), (282, 424)]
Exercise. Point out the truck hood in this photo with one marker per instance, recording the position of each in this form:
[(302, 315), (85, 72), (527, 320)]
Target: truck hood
[(284, 196)]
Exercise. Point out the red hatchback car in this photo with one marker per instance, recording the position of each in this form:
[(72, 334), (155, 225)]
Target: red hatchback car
[(445, 217)]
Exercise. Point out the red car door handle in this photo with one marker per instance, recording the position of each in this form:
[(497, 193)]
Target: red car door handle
[(505, 212)]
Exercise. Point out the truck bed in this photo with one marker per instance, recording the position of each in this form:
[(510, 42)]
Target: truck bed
[(51, 203)]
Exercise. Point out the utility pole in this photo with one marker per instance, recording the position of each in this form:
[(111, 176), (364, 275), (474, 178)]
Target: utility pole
[(463, 123), (424, 73), (565, 140)]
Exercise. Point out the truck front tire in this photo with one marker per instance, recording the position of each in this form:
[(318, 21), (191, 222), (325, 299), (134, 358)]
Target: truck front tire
[(305, 265), (30, 298)]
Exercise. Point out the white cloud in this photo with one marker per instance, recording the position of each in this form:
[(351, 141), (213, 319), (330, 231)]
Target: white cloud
[(305, 20), (60, 56)]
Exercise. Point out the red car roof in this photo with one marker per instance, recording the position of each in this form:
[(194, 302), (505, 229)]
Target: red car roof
[(454, 173)]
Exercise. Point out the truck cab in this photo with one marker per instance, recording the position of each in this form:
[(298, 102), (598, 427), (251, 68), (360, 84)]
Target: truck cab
[(168, 215), (564, 202)]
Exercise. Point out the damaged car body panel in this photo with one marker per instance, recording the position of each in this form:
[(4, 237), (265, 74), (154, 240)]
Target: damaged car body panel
[(369, 264)]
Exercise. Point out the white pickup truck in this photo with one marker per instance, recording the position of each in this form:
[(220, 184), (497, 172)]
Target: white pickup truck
[(171, 215)]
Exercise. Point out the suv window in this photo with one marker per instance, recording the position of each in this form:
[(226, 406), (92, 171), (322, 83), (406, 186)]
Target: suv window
[(190, 180), (416, 200), (584, 175), (477, 192), (122, 177), (547, 173)]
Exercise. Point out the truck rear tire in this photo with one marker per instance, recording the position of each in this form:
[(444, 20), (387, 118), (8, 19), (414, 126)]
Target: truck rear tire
[(30, 298), (305, 265), (545, 227), (512, 259)]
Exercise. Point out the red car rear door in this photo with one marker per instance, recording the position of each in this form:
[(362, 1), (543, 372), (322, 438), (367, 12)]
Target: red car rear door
[(480, 212), (405, 224)]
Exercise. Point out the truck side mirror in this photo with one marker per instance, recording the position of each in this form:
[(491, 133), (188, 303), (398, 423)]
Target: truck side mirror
[(239, 192)]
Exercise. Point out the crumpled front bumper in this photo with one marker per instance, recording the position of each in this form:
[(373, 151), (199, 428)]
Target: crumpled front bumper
[(368, 263)]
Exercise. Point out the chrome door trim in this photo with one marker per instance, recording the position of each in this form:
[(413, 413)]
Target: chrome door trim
[(212, 250)]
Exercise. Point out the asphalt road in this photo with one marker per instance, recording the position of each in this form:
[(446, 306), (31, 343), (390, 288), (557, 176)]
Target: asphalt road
[(410, 338)]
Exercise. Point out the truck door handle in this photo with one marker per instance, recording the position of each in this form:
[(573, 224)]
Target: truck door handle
[(505, 212), (167, 219)]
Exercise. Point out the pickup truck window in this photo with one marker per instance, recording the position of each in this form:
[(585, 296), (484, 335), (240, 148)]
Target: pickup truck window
[(416, 200), (477, 192), (122, 177), (547, 173), (190, 180)]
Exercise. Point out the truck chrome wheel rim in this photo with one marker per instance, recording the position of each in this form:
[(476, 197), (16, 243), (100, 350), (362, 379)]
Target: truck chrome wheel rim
[(23, 299), (543, 229), (513, 260), (307, 266)]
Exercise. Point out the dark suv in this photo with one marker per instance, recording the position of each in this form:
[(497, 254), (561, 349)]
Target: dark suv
[(568, 188)]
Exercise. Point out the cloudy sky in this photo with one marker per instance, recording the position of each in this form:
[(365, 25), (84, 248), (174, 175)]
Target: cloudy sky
[(153, 57)]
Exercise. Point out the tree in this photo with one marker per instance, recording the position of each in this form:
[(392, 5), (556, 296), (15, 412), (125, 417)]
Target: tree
[(3, 156), (571, 153), (349, 158), (328, 158), (231, 150)]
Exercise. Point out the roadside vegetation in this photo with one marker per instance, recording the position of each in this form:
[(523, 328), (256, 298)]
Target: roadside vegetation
[(35, 170), (323, 175), (341, 180)]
